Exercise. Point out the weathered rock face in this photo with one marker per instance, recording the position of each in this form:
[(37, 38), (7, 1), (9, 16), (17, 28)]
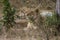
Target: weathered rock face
[(45, 13)]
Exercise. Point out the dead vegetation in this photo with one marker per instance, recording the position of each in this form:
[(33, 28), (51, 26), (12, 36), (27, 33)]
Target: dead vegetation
[(25, 29)]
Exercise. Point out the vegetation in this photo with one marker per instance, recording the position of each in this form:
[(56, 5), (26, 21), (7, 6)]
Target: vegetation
[(43, 24), (8, 17)]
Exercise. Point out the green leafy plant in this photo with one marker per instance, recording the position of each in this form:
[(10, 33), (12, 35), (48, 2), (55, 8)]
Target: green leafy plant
[(8, 17), (53, 22)]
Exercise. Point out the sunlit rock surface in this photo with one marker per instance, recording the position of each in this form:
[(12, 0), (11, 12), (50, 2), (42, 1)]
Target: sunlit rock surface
[(46, 13)]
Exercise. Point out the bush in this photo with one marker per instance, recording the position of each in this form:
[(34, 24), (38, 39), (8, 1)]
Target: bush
[(9, 13)]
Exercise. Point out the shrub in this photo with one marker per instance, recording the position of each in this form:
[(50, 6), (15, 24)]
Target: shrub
[(8, 17)]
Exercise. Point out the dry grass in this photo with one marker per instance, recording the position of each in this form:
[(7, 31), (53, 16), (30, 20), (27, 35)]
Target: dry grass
[(30, 34), (18, 32)]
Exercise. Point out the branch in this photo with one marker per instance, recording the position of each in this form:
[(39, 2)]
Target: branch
[(34, 9)]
